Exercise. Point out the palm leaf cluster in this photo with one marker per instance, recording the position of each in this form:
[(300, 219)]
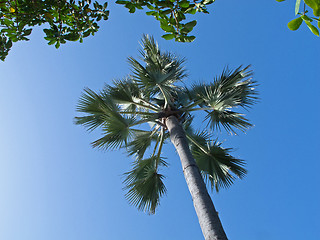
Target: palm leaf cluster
[(132, 115)]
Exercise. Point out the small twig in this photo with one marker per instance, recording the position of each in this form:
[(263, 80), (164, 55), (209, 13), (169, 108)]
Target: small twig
[(177, 22)]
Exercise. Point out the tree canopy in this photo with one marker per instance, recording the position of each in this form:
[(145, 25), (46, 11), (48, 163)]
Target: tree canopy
[(67, 20), (304, 16), (132, 115), (70, 20)]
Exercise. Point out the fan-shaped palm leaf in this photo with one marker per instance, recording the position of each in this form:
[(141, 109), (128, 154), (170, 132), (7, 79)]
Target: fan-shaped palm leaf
[(227, 119), (144, 184), (142, 142), (123, 91), (237, 87), (117, 132), (127, 92), (230, 90), (97, 107), (162, 70), (162, 61), (217, 166)]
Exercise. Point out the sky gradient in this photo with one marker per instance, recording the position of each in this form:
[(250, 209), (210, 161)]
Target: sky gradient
[(55, 186)]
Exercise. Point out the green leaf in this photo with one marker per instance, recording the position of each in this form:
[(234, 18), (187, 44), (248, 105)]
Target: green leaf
[(190, 25), (184, 4), (181, 16), (191, 10), (150, 13), (189, 38), (297, 6), (121, 2), (313, 29), (131, 7), (132, 10), (57, 45), (27, 32), (9, 44), (185, 31), (72, 36), (47, 31), (280, 0), (8, 22), (295, 24), (166, 27), (306, 18), (150, 6), (51, 42), (316, 12), (166, 12), (168, 36), (165, 4), (86, 33), (315, 5), (207, 2), (311, 3)]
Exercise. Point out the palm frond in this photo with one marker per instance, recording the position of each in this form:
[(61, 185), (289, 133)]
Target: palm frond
[(217, 166), (231, 90), (197, 92), (142, 142), (144, 185), (160, 72), (97, 107), (187, 120), (123, 91), (116, 131), (141, 75), (150, 51), (165, 62), (198, 138), (127, 93), (181, 99), (228, 119), (238, 86)]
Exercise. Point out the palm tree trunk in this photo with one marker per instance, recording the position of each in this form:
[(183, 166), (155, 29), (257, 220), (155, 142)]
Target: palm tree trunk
[(208, 218)]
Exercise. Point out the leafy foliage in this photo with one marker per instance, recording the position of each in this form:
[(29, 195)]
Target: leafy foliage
[(68, 20), (313, 5), (132, 115), (71, 20), (171, 14)]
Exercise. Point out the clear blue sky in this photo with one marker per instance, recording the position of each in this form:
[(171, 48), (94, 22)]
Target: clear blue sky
[(55, 186)]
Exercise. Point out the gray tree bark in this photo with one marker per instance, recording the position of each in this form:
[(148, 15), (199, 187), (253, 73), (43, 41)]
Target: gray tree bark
[(208, 217)]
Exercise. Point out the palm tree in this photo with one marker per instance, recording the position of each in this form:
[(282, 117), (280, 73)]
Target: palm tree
[(143, 110)]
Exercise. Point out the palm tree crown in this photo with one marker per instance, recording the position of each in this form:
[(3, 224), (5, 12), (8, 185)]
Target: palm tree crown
[(132, 114)]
